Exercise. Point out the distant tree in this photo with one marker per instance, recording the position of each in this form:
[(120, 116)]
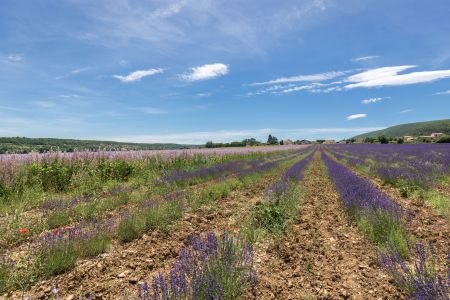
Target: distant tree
[(445, 139), (369, 140), (209, 144), (400, 141), (251, 142), (272, 140), (383, 139), (320, 141), (281, 142)]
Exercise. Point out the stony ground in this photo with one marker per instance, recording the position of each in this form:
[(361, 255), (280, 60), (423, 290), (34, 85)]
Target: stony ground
[(323, 256)]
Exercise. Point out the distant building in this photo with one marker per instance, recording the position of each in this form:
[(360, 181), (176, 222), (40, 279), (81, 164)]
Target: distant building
[(329, 142), (287, 142), (408, 138), (436, 135)]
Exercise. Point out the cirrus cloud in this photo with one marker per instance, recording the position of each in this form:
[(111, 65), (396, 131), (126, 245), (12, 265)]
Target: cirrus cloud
[(205, 72), (304, 78), (356, 116), (389, 76), (138, 75), (373, 100)]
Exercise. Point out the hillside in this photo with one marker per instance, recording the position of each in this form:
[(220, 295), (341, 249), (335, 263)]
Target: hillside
[(413, 129), (25, 145)]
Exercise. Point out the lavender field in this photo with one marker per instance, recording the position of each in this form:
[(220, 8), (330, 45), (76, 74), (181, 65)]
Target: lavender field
[(227, 223)]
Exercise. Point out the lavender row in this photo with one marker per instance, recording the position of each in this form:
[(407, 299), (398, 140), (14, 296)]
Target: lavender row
[(210, 267), (232, 167), (357, 193), (380, 218), (418, 165), (10, 163), (292, 175)]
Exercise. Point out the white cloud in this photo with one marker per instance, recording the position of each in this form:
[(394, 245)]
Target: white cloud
[(405, 111), (15, 57), (365, 58), (388, 76), (44, 104), (443, 93), (138, 75), (205, 72), (356, 116), (201, 137), (304, 78), (373, 100), (378, 73)]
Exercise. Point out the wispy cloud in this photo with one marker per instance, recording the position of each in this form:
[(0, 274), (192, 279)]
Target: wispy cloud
[(203, 95), (205, 72), (200, 137), (364, 58), (405, 111), (15, 57), (304, 78), (356, 116), (443, 93), (388, 76), (75, 72), (373, 100), (138, 75)]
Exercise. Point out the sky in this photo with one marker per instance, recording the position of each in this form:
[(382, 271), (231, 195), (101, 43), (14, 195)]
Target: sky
[(191, 71)]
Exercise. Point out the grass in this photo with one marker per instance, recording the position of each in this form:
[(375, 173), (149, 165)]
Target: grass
[(384, 230)]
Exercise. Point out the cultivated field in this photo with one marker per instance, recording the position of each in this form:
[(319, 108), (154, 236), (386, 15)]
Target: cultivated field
[(281, 222)]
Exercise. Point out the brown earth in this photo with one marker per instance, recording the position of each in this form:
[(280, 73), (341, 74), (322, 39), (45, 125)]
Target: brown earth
[(322, 257), (116, 274)]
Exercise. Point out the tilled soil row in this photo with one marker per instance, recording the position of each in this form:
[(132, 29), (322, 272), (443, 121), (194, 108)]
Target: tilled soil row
[(322, 257), (116, 274)]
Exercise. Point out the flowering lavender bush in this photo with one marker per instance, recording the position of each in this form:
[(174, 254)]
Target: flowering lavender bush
[(376, 214), (211, 267), (420, 279), (274, 215)]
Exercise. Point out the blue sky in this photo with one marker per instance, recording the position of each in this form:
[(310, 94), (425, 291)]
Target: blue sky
[(189, 71)]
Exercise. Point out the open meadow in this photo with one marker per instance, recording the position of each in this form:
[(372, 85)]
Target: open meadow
[(276, 222)]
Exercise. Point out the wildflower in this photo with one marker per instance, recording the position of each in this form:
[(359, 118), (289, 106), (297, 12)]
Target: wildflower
[(55, 231), (236, 229), (67, 228), (23, 231), (227, 228)]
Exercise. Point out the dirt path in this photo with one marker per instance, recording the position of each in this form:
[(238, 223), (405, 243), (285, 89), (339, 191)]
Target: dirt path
[(112, 275), (322, 257)]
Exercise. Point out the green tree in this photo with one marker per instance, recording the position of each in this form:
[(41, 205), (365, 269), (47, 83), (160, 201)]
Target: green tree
[(272, 140), (383, 139)]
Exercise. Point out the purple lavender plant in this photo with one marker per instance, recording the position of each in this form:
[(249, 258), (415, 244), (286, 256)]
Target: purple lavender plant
[(210, 267)]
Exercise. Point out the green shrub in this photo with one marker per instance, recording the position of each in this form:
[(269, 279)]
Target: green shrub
[(270, 216), (384, 229), (131, 228), (57, 219), (57, 259), (94, 246), (163, 215)]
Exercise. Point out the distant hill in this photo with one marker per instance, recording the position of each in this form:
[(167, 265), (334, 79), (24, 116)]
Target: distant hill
[(412, 129), (25, 145)]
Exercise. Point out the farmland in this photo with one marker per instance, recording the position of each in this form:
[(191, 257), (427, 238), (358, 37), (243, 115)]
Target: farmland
[(270, 222)]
